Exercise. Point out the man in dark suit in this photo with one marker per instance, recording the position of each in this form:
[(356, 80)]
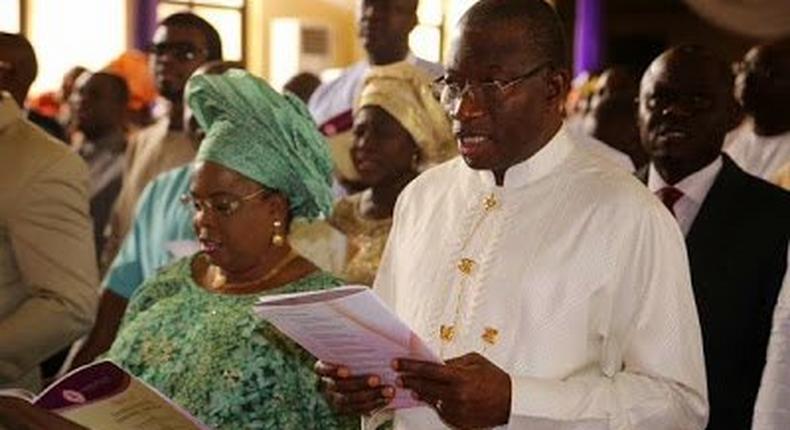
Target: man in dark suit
[(736, 225)]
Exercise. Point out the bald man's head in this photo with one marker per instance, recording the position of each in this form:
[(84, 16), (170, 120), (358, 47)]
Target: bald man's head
[(18, 65), (686, 107)]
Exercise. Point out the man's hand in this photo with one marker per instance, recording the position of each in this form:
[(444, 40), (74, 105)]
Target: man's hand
[(467, 392), (352, 395)]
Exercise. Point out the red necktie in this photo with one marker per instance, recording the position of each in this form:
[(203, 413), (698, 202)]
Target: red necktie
[(670, 196)]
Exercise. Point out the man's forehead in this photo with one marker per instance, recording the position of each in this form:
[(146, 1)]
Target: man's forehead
[(490, 49), (687, 76), (179, 34), (400, 5)]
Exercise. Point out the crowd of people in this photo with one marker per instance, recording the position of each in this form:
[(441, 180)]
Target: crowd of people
[(605, 254)]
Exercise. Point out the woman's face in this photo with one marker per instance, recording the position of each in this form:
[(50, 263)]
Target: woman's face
[(234, 217), (383, 150)]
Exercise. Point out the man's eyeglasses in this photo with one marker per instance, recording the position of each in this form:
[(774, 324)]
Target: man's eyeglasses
[(224, 205), (489, 92), (180, 51)]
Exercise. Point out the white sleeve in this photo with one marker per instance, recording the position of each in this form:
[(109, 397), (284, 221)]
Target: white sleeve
[(657, 380), (772, 410)]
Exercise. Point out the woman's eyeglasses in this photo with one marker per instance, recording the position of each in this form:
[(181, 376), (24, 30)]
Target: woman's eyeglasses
[(224, 205)]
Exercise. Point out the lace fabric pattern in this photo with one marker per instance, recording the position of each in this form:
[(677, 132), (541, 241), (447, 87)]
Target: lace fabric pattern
[(366, 240), (211, 355)]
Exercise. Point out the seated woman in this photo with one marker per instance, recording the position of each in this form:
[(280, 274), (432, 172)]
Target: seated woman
[(399, 130), (190, 331)]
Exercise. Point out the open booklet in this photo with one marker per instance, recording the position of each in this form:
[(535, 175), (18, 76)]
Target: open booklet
[(103, 396), (351, 326)]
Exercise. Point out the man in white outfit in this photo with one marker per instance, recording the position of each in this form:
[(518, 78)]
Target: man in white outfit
[(555, 288)]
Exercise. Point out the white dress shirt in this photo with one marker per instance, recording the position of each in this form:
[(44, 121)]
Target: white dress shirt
[(760, 156), (694, 187), (575, 283), (772, 410)]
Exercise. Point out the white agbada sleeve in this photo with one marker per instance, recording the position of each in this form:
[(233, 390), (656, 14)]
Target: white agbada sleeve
[(661, 383), (772, 410)]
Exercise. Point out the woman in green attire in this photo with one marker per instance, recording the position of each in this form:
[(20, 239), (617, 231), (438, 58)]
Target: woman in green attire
[(190, 331)]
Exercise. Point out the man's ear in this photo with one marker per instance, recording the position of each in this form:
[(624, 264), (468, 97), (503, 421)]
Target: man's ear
[(558, 83)]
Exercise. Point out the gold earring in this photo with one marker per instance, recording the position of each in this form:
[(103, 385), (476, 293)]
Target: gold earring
[(278, 239), (415, 161)]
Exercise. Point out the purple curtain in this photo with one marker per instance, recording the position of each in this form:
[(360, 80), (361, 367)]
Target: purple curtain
[(587, 44), (144, 23)]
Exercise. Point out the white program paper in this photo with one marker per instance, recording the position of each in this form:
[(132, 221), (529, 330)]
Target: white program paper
[(351, 326)]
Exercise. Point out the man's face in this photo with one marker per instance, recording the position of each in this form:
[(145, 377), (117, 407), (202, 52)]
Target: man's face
[(97, 108), (612, 116), (496, 129), (176, 53), (762, 84), (384, 25), (685, 110), (383, 149)]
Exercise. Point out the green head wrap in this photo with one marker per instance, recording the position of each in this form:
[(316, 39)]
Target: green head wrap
[(265, 136)]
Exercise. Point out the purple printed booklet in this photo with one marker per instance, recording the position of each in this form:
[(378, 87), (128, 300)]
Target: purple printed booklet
[(103, 396)]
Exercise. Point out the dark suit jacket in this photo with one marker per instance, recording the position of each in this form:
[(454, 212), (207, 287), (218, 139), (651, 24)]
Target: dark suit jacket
[(737, 250)]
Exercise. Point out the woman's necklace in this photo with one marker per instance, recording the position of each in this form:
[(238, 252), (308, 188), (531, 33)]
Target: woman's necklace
[(217, 281)]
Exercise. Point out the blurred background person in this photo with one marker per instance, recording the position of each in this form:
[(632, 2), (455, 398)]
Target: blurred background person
[(579, 105), (55, 104), (612, 113), (400, 129), (761, 145), (100, 101), (133, 67), (303, 85), (181, 43)]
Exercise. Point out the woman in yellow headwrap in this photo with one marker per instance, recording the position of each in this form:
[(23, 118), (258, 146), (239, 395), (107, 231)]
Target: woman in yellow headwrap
[(399, 130)]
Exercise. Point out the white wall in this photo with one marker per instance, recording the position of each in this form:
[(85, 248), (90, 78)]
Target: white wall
[(88, 33)]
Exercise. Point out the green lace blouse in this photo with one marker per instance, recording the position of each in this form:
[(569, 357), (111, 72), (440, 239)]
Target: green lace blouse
[(211, 355)]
